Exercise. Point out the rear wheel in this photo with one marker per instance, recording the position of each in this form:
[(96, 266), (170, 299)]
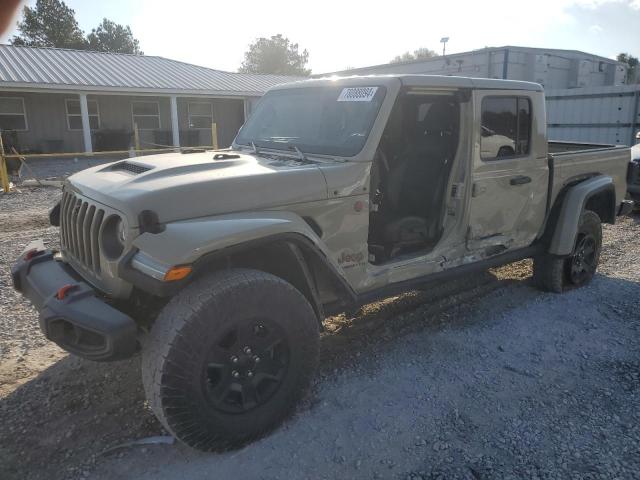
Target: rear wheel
[(557, 274), (505, 152), (229, 357)]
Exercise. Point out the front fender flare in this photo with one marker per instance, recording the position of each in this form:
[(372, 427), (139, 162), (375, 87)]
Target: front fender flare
[(186, 241), (573, 204), (199, 240)]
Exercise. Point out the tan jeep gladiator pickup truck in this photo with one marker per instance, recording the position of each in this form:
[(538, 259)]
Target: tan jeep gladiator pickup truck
[(335, 192)]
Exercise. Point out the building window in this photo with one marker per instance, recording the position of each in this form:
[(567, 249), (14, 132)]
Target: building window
[(200, 115), (505, 128), (146, 115), (12, 114), (74, 115)]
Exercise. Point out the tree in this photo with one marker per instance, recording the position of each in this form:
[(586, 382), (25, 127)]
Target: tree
[(112, 37), (632, 65), (52, 24), (49, 24), (418, 54), (275, 55)]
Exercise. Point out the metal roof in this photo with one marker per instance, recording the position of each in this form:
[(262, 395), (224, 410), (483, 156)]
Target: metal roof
[(56, 68)]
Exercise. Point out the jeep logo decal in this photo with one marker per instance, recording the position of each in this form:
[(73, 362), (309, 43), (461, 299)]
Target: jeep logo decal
[(347, 257)]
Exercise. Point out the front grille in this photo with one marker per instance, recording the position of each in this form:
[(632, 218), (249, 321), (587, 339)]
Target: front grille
[(80, 223), (130, 167)]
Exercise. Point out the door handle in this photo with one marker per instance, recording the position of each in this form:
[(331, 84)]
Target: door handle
[(520, 180)]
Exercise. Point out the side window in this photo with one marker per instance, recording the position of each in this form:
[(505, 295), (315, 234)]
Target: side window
[(524, 126), (505, 127), (74, 116), (146, 115), (200, 115), (12, 114)]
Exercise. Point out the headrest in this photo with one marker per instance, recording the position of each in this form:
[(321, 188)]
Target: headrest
[(441, 117)]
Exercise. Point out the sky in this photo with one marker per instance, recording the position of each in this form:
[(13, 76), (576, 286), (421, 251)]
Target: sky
[(340, 34)]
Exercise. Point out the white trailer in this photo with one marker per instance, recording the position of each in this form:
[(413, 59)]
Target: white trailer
[(608, 114)]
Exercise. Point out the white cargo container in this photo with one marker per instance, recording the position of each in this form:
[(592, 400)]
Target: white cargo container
[(552, 68), (587, 99), (596, 115)]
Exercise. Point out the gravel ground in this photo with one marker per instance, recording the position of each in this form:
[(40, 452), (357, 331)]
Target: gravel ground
[(481, 378)]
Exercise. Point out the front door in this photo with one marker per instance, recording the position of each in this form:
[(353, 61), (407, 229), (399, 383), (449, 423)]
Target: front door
[(509, 187)]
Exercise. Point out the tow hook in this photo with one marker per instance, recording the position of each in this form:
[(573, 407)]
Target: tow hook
[(62, 291)]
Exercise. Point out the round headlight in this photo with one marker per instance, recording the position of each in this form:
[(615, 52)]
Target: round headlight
[(114, 237)]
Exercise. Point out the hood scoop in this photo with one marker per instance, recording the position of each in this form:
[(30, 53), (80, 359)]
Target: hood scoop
[(130, 167), (226, 156)]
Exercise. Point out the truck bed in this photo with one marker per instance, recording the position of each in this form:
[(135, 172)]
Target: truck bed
[(573, 161)]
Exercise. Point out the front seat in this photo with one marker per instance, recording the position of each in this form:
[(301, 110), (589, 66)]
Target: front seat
[(415, 189)]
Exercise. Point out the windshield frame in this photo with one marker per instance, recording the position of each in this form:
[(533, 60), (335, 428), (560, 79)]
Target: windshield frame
[(290, 147)]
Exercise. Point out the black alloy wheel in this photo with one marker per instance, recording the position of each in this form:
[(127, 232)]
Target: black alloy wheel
[(246, 366), (584, 261)]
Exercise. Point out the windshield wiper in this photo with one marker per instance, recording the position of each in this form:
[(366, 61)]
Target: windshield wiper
[(301, 155)]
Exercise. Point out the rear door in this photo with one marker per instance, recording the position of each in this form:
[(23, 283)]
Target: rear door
[(508, 199)]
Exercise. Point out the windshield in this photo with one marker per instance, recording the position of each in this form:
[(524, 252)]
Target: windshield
[(324, 120)]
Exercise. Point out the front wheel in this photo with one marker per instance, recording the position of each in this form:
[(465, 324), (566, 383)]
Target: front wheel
[(557, 274), (229, 357)]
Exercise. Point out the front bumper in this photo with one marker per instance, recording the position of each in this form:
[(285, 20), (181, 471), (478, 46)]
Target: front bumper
[(77, 320)]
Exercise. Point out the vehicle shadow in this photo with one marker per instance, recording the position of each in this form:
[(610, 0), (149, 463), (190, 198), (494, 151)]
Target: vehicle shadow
[(427, 308), (60, 423)]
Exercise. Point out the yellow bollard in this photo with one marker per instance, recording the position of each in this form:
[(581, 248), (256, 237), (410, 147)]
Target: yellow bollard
[(214, 135), (4, 175)]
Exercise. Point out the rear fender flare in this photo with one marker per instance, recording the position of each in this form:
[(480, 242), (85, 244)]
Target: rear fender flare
[(573, 204)]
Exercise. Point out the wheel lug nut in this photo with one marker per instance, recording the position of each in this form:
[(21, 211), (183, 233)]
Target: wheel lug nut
[(235, 374), (249, 374), (247, 350), (256, 358), (234, 359)]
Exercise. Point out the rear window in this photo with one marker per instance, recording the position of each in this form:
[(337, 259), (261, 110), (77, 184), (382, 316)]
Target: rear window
[(505, 127)]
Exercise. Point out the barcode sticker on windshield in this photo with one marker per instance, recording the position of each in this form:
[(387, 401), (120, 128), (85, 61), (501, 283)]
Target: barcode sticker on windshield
[(357, 94)]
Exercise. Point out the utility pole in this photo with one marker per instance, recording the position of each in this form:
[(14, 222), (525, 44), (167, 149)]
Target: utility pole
[(444, 41)]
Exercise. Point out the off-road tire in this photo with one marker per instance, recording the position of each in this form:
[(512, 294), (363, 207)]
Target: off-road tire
[(174, 357), (552, 273)]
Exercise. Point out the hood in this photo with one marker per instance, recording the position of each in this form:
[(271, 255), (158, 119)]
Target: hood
[(179, 186)]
